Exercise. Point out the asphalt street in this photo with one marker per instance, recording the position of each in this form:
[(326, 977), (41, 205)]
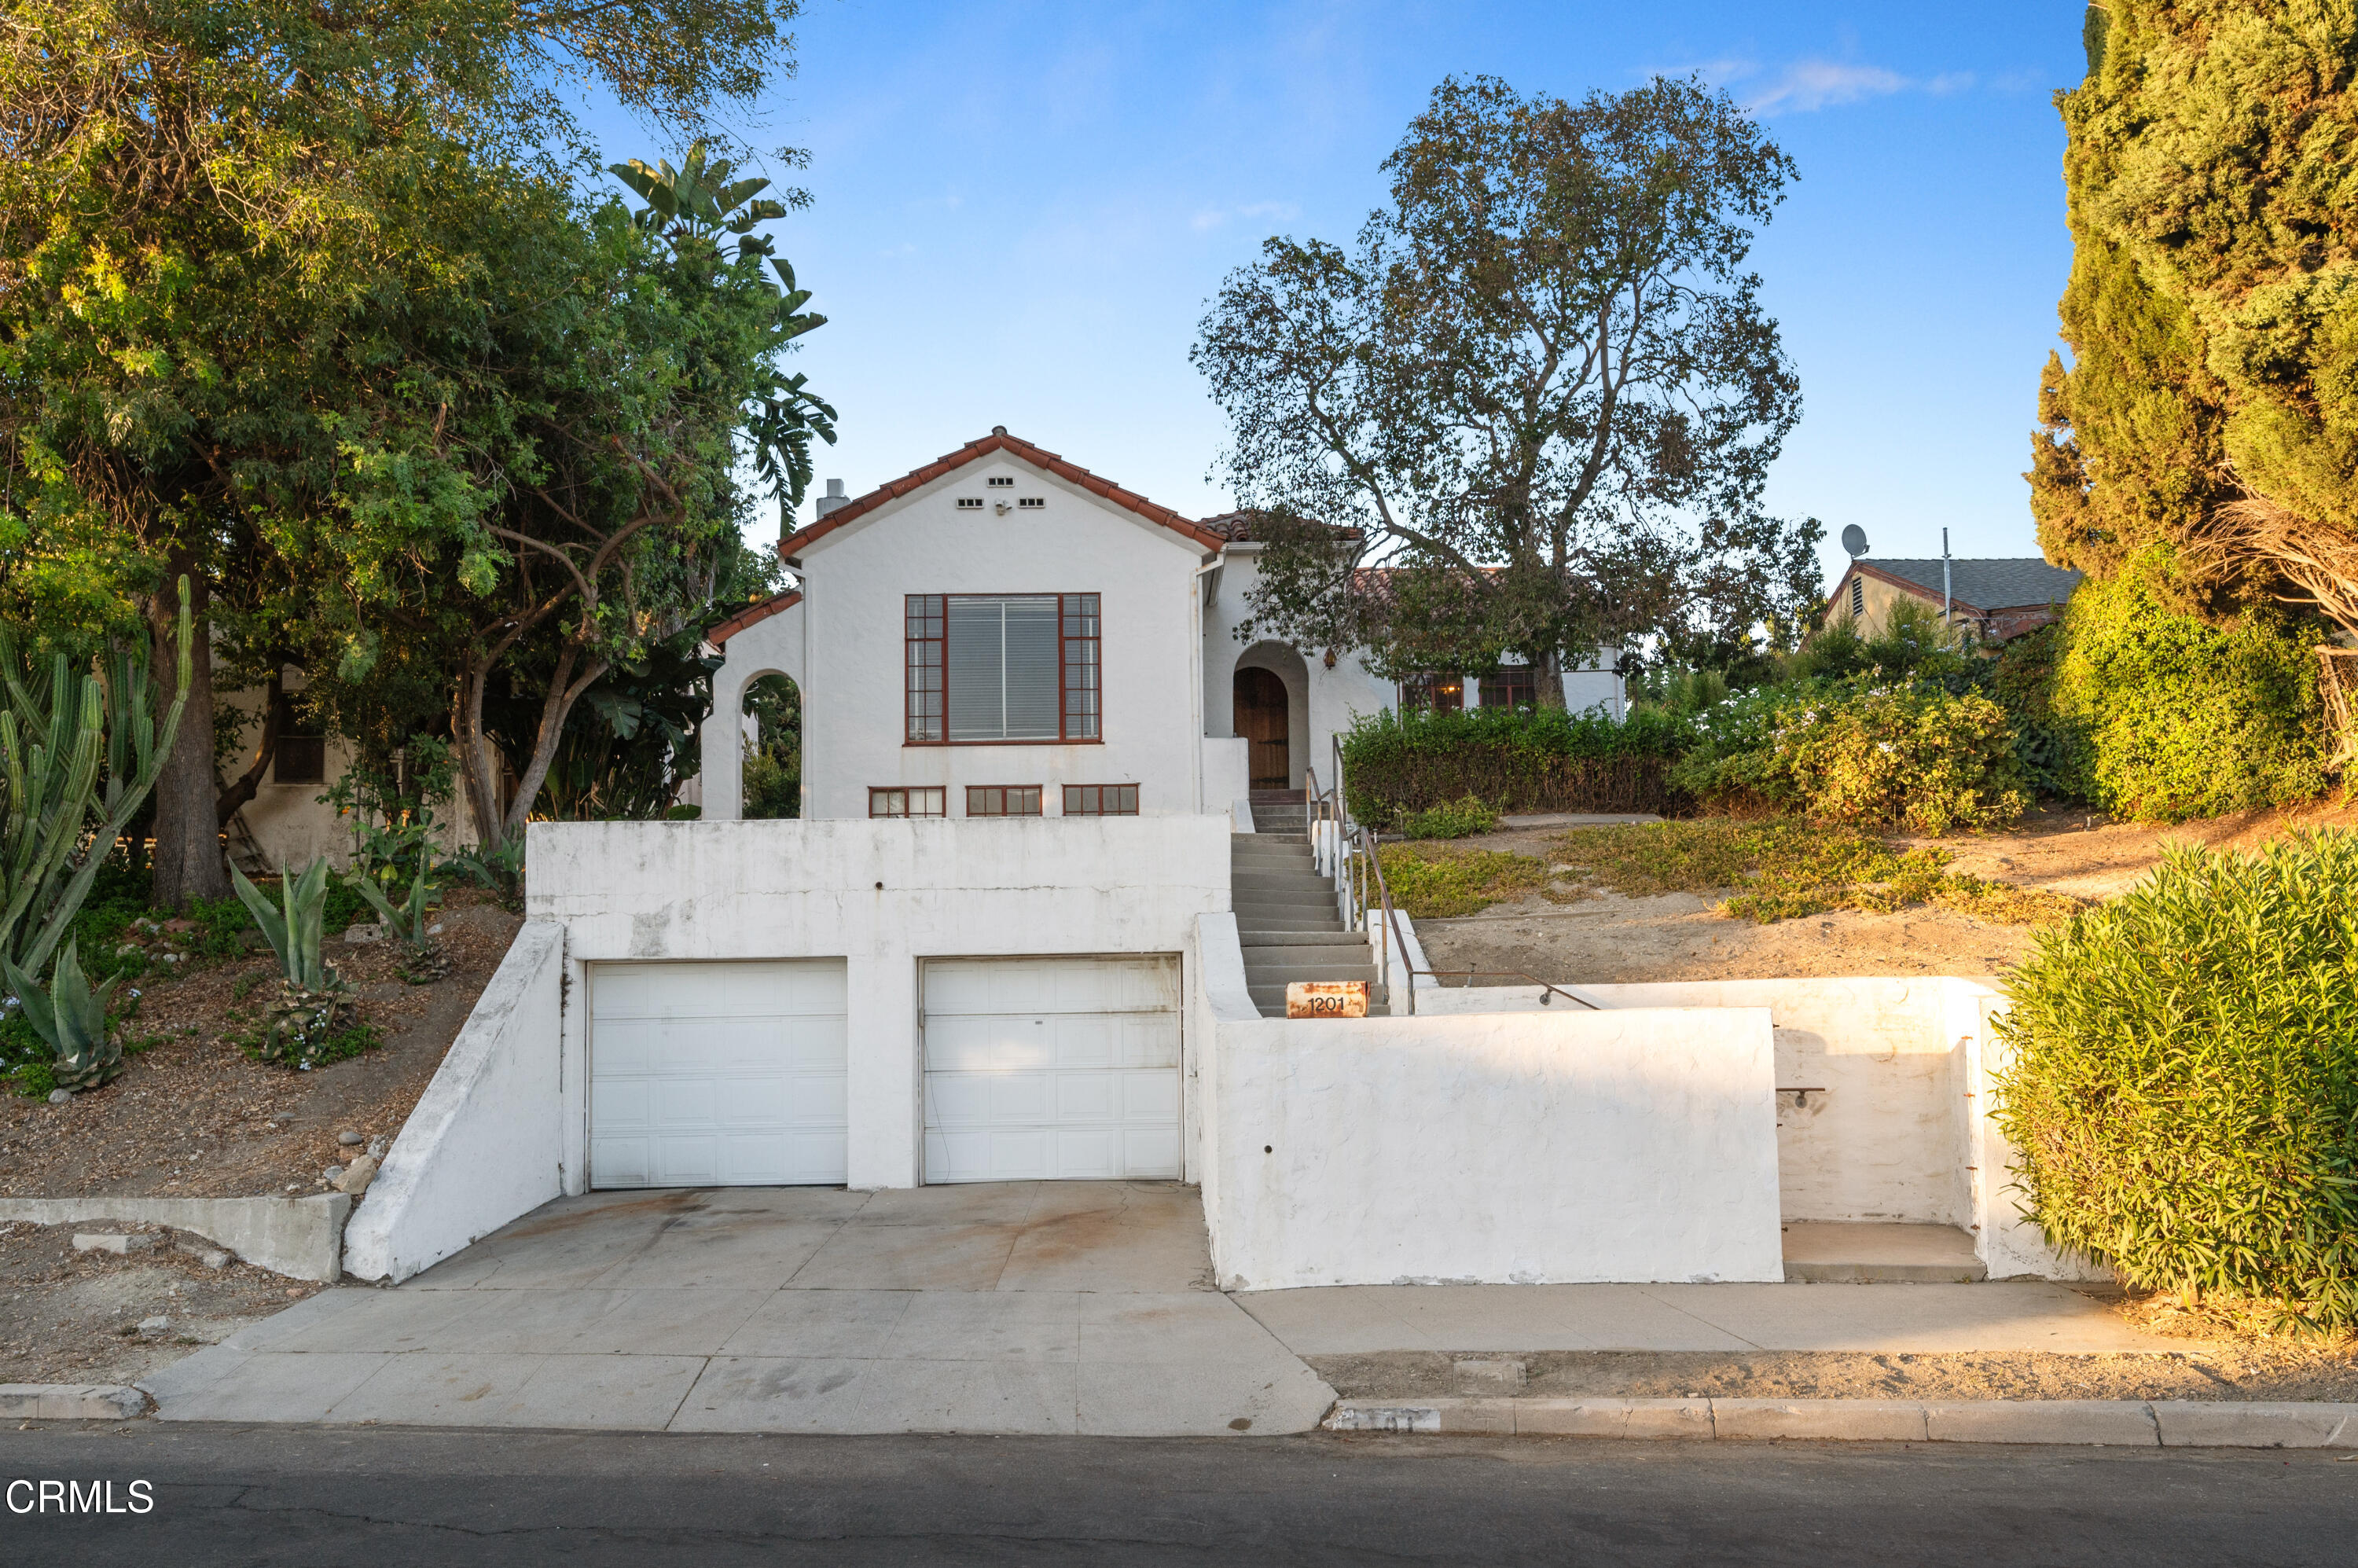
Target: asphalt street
[(326, 1496)]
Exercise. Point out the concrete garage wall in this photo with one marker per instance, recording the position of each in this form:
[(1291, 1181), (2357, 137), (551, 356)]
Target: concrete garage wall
[(484, 1145), (881, 895), (1540, 1147)]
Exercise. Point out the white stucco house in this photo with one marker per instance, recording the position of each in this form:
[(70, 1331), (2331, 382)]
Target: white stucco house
[(1004, 632), (1015, 935)]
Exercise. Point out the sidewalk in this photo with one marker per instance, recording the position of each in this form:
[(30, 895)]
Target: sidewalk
[(1035, 1307)]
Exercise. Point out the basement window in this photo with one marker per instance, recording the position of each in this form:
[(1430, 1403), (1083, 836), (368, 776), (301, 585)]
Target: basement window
[(1003, 800), (908, 803), (1101, 800)]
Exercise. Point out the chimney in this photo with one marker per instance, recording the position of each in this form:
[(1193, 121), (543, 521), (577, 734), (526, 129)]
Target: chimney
[(833, 498)]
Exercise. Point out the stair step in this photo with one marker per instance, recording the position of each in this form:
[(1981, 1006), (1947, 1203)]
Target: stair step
[(1285, 974), (1301, 938), (1254, 924)]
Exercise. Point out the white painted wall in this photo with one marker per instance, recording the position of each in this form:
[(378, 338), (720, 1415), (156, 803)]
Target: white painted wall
[(1559, 1146), (1331, 698), (851, 619), (485, 1143), (881, 895), (1901, 1132), (769, 646)]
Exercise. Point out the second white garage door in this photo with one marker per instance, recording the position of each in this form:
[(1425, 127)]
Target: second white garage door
[(717, 1075), (1051, 1068)]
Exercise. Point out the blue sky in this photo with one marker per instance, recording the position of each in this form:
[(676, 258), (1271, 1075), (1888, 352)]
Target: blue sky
[(1021, 209)]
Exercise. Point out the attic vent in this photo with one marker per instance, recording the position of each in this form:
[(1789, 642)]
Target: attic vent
[(1032, 503), (969, 503), (1002, 483), (1857, 597)]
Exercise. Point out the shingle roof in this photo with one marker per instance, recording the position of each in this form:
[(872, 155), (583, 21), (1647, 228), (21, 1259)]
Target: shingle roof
[(2011, 583), (998, 440)]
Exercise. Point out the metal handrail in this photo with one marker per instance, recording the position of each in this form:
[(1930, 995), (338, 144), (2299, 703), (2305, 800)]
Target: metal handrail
[(1545, 986), (1358, 870)]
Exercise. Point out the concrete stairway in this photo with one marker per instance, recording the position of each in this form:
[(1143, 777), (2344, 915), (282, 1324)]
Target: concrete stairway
[(1286, 917)]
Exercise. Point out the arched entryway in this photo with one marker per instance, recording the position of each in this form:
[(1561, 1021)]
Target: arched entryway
[(1264, 718), (770, 740)]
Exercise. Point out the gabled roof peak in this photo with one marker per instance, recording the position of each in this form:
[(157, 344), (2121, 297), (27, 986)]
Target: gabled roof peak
[(998, 440)]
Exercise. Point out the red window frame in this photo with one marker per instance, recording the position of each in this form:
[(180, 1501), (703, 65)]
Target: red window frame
[(913, 800), (1080, 670), (1003, 800), (1101, 800)]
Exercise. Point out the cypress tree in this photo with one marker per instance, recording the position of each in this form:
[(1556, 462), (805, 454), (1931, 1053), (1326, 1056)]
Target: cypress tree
[(2211, 405)]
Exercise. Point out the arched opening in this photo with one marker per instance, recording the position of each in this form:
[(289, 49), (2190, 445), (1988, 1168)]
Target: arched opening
[(772, 736), (1264, 716)]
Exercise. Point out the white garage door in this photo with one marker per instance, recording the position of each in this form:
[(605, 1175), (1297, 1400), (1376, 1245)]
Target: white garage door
[(1051, 1067), (716, 1075)]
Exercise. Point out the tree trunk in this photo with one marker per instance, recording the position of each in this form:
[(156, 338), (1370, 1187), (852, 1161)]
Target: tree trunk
[(1547, 679), (189, 863), (479, 760), (247, 783)]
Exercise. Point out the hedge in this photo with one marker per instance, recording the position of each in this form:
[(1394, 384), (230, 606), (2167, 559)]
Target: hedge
[(2178, 718), (1514, 759), (2184, 1088)]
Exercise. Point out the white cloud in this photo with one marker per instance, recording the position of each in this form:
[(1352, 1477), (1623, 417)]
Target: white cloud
[(1804, 86)]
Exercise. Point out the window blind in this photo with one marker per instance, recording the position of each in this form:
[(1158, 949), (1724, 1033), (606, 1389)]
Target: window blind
[(1004, 668)]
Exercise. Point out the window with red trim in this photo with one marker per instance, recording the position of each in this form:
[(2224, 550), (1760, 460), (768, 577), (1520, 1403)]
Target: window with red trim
[(1101, 800), (986, 668), (1003, 800)]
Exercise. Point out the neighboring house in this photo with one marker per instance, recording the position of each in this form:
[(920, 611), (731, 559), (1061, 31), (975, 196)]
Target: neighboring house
[(1003, 632), (1999, 600)]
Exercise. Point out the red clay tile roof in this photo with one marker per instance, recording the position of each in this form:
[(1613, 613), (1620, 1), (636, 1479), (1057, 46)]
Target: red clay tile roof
[(750, 615), (998, 440)]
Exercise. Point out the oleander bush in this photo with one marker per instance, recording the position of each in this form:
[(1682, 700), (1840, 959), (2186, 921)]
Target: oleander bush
[(1513, 758), (2184, 1082)]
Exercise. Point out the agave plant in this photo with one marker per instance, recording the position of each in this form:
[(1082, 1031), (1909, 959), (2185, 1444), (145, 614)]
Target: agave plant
[(313, 1000), (70, 1017), (423, 961)]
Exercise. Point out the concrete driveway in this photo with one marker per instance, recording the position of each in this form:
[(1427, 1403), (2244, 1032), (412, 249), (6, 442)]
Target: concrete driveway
[(1077, 1307)]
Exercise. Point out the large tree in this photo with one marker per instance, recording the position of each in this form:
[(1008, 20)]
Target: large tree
[(1540, 395), (2208, 421), (216, 217)]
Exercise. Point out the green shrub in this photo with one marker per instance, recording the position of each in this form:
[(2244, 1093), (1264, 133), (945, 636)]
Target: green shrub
[(1517, 759), (1460, 819), (2180, 718), (1918, 756), (2184, 1088)]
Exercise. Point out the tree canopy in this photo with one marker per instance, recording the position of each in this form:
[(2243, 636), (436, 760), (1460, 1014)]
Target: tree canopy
[(300, 300), (1540, 395), (2208, 418)]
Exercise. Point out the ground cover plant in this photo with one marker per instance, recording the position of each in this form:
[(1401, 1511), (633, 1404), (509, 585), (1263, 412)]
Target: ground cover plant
[(1434, 882), (1395, 764), (1784, 869), (2184, 1088)]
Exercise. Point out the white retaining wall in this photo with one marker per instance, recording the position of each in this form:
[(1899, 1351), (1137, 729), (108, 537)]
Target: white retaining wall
[(1556, 1146), (484, 1145)]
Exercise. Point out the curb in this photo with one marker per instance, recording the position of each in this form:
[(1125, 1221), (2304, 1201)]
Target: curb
[(2128, 1423), (70, 1402)]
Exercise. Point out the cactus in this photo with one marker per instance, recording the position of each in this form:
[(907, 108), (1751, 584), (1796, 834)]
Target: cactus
[(55, 804), (313, 1000), (423, 960), (71, 1016)]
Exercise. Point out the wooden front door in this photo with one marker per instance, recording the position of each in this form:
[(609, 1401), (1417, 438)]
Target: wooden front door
[(1264, 718)]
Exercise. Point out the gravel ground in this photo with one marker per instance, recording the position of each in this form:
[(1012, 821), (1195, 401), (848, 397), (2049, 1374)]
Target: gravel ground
[(73, 1317), (194, 1117), (2242, 1372)]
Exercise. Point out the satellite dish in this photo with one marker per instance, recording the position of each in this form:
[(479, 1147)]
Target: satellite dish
[(1854, 540)]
